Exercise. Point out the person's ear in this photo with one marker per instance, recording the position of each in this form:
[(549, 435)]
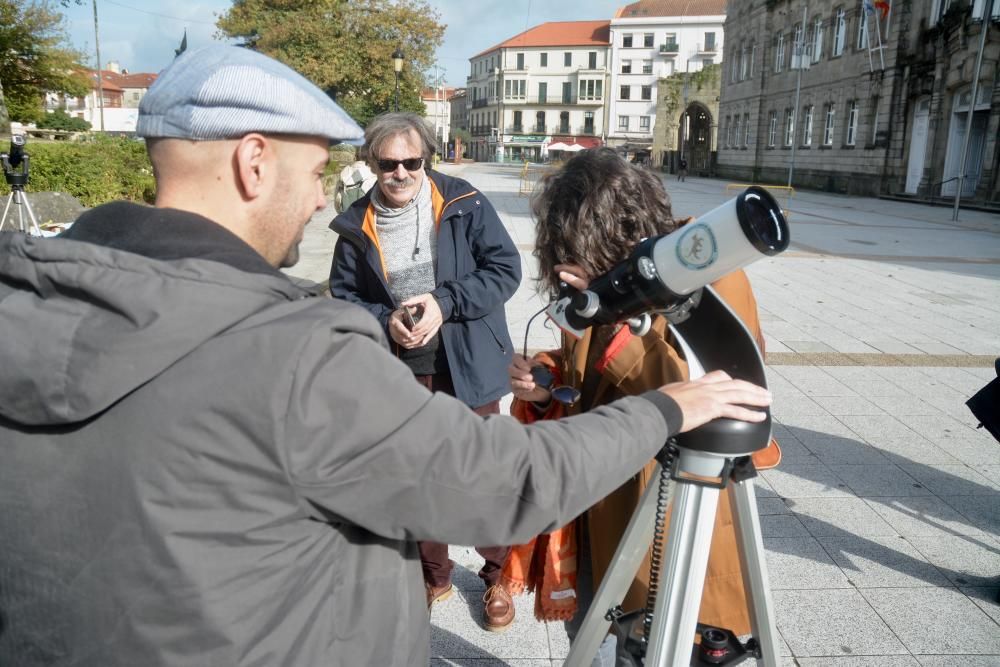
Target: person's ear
[(253, 162)]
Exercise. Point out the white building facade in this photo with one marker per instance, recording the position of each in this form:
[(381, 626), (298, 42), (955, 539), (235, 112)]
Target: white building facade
[(544, 87), (437, 111), (651, 40)]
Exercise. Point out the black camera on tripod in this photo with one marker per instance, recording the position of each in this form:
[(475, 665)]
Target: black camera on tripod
[(15, 171), (13, 160)]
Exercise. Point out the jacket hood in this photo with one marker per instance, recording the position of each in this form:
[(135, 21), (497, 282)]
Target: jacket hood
[(84, 325)]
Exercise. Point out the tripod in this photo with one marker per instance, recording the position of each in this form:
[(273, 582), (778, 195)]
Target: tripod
[(17, 180), (713, 338)]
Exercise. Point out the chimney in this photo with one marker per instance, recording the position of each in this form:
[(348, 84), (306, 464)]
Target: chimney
[(114, 66)]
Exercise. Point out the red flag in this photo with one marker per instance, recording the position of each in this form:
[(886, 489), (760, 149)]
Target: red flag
[(883, 7)]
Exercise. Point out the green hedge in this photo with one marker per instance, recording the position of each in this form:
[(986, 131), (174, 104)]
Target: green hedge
[(105, 169), (95, 172)]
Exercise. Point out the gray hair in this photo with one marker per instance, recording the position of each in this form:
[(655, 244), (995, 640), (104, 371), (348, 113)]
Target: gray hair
[(384, 127)]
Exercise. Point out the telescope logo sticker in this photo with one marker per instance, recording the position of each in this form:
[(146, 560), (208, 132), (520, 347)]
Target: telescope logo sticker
[(697, 248)]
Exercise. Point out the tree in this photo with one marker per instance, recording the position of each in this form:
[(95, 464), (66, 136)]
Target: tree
[(60, 120), (34, 59), (344, 46)]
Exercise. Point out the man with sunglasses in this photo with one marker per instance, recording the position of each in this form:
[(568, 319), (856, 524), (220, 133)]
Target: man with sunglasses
[(428, 256)]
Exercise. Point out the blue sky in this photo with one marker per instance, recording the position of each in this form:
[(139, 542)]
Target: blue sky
[(142, 35)]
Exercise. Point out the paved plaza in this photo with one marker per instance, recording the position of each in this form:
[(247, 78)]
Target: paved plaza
[(882, 524)]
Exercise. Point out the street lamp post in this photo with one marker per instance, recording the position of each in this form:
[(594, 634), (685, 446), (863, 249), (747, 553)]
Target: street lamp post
[(397, 66)]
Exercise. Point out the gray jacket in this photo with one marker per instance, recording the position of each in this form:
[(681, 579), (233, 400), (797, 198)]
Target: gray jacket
[(203, 465)]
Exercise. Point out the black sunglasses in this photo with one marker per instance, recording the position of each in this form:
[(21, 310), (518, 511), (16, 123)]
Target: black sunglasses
[(409, 164)]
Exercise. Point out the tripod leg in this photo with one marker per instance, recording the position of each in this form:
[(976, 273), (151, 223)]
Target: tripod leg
[(3, 219), (31, 215), (755, 579), (625, 563), (675, 616)]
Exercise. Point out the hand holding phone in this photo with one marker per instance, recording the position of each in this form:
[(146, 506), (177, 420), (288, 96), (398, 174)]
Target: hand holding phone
[(409, 317)]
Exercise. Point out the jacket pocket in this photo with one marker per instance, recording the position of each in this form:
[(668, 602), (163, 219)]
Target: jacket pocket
[(499, 342)]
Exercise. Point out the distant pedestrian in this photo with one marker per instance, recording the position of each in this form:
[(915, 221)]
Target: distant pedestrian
[(682, 169)]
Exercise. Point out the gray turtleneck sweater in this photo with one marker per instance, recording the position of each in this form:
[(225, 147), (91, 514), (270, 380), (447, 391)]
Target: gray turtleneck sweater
[(409, 247)]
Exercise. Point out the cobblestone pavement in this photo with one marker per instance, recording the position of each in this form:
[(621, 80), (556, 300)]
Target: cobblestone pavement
[(882, 524)]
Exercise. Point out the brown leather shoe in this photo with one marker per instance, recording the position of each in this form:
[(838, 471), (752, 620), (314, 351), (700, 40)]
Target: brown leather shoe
[(498, 612), (438, 593)]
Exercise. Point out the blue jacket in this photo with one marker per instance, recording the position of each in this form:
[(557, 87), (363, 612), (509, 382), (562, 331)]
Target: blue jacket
[(478, 270)]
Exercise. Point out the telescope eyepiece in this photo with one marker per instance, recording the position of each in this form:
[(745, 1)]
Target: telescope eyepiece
[(762, 221)]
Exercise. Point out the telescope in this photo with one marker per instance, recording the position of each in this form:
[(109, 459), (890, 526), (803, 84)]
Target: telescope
[(15, 166), (671, 275), (663, 272)]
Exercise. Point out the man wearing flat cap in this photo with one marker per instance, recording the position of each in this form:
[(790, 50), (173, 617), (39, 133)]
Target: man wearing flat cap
[(204, 464)]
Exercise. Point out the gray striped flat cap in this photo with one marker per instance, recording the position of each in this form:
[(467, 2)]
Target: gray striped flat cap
[(224, 92)]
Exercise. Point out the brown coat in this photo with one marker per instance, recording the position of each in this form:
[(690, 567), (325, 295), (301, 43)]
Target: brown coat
[(630, 365)]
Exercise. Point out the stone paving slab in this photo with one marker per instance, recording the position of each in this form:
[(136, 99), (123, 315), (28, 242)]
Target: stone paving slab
[(882, 524)]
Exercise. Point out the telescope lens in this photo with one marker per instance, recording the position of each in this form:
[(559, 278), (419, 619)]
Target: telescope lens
[(762, 221)]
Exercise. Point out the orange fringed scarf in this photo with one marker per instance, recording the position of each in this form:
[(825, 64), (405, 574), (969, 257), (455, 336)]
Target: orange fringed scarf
[(547, 564)]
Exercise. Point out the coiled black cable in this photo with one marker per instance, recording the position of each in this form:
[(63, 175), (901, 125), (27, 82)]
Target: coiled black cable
[(664, 496)]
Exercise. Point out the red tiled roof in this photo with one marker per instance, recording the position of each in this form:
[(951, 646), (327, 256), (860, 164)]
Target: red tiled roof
[(559, 33), (645, 8), (137, 80), (446, 94)]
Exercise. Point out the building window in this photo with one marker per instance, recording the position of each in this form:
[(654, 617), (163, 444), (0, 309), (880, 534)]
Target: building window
[(710, 41), (624, 92), (862, 27), (873, 116), (644, 123), (646, 92), (807, 125), (743, 63), (514, 89), (520, 61), (627, 41), (746, 129), (647, 40), (647, 66), (568, 59), (626, 67), (567, 92), (543, 59), (817, 44), (588, 122), (736, 130), (564, 122), (789, 126), (828, 128), (729, 131), (592, 59), (517, 122), (798, 49), (734, 71), (590, 89), (852, 122), (779, 53), (543, 92), (753, 57), (540, 122), (840, 32), (623, 123), (772, 128)]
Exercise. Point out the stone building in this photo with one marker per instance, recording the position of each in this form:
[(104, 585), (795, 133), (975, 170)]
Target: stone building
[(860, 97), (686, 120)]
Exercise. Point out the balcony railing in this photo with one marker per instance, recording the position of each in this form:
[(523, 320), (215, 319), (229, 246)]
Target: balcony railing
[(707, 48), (480, 103), (553, 100), (670, 48)]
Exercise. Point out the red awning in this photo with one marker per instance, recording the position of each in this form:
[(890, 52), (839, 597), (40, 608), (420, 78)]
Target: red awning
[(586, 142)]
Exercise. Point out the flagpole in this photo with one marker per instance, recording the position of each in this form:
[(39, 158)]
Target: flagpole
[(987, 17), (798, 89)]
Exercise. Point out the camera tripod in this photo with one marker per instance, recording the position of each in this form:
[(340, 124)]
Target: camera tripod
[(701, 463), (17, 180)]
